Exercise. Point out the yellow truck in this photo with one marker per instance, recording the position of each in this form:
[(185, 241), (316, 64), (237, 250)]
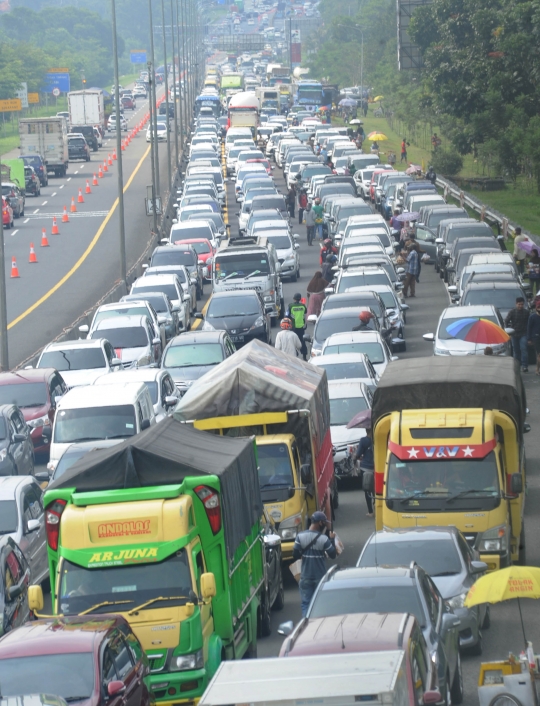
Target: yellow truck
[(449, 450), (284, 403)]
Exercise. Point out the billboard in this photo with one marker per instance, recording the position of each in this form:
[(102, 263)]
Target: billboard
[(409, 56), (58, 80), (11, 105), (138, 56)]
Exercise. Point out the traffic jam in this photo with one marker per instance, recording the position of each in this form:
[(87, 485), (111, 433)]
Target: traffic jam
[(166, 478)]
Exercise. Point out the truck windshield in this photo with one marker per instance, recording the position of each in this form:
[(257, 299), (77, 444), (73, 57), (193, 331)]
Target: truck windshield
[(274, 466), (91, 423), (449, 479), (240, 266), (128, 586)]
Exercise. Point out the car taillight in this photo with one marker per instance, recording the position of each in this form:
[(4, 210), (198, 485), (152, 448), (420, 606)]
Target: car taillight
[(210, 500), (53, 513)]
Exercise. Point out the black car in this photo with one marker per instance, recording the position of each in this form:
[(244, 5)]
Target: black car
[(192, 354), (163, 109), (180, 255), (15, 579), (32, 184), (40, 168), (15, 197), (88, 132), (241, 313), (78, 148), (16, 447)]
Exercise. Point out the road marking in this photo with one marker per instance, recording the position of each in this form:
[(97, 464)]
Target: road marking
[(62, 186), (70, 178), (37, 209), (26, 220), (44, 203), (77, 214), (85, 254), (53, 194), (76, 173), (14, 233)]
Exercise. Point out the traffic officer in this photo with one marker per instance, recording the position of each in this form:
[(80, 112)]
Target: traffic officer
[(298, 314)]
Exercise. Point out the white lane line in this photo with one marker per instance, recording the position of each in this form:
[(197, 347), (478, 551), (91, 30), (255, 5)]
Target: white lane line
[(26, 220), (77, 171), (14, 233), (69, 179), (44, 203), (62, 186), (53, 194), (37, 209)]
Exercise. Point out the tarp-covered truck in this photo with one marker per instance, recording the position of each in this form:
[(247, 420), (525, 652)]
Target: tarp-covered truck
[(46, 138), (448, 441), (284, 402), (165, 529)]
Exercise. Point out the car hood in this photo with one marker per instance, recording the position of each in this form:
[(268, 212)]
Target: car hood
[(131, 355), (35, 412), (73, 378), (238, 324), (449, 586), (341, 435), (457, 347), (189, 372)]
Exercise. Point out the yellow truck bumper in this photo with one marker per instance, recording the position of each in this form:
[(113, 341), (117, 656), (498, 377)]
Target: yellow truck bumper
[(286, 550), (184, 702), (492, 560)]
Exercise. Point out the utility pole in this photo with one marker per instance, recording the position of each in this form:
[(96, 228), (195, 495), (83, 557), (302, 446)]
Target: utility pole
[(180, 75), (184, 60), (176, 101), (4, 356), (120, 173), (153, 143), (153, 98), (166, 94)]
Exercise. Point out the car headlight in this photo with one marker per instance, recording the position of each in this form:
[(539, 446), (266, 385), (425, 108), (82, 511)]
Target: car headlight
[(258, 323), (268, 299), (441, 351), (39, 422), (456, 601), (494, 540), (207, 327), (289, 528), (184, 662), (3, 454)]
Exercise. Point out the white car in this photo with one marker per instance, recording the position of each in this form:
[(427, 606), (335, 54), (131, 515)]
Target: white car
[(111, 125), (369, 342), (162, 130), (139, 91), (160, 386), (349, 367), (287, 247), (347, 399), (80, 362), (120, 309), (170, 285), (134, 338)]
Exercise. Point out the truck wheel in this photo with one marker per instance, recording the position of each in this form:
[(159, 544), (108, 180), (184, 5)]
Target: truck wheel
[(264, 622), (294, 276)]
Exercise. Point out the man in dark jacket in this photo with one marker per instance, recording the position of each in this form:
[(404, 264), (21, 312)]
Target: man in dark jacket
[(313, 546), (533, 334), (518, 318)]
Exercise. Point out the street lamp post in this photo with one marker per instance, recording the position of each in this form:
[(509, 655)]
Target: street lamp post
[(153, 115), (166, 93), (4, 356), (175, 102), (180, 74), (120, 173)]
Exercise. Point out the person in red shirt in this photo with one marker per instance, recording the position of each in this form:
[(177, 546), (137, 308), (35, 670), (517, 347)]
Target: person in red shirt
[(327, 249), (302, 203), (404, 150)]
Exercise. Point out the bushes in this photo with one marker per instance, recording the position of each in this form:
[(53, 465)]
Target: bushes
[(446, 163)]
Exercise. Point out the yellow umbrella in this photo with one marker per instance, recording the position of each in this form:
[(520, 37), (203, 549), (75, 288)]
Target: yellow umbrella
[(377, 136), (505, 584), (378, 98)]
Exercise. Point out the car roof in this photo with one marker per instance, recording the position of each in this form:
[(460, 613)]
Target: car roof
[(343, 312), (369, 574), (10, 484), (332, 358), (508, 284), (30, 375), (57, 635), (353, 337), (467, 311), (114, 322), (136, 375), (73, 345), (197, 336), (156, 279), (402, 534)]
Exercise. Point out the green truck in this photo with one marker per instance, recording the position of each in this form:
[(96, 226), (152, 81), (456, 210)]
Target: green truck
[(166, 530)]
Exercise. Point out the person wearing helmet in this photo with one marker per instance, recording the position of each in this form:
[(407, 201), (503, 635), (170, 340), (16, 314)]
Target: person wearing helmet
[(326, 270), (286, 340), (327, 249), (318, 215), (297, 312), (430, 175), (365, 318)]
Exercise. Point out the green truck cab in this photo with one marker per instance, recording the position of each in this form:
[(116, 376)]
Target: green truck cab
[(164, 529)]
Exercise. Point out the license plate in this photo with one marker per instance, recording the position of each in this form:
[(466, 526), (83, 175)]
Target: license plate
[(237, 339)]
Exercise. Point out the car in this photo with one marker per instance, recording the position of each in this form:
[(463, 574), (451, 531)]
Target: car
[(36, 393), (447, 558), (14, 196), (139, 91), (23, 519), (128, 102), (98, 135), (177, 255), (78, 148), (170, 285), (134, 339), (16, 448), (111, 124), (369, 342), (121, 308), (80, 362), (446, 340), (287, 247), (501, 294), (239, 312), (402, 589), (78, 658), (376, 270), (7, 214), (73, 453), (479, 272), (205, 250), (35, 161), (32, 185), (338, 321), (190, 355), (15, 578), (159, 382), (355, 367)]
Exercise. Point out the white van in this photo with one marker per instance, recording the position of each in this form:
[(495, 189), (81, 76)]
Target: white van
[(89, 413)]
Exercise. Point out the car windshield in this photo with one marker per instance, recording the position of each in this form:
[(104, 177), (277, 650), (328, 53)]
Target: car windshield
[(201, 248), (9, 519), (194, 231), (343, 409), (140, 310), (173, 257), (32, 161), (373, 351), (368, 598), (280, 242), (167, 289), (328, 325), (220, 307), (448, 332), (469, 232), (263, 202), (344, 371), (159, 303), (274, 465), (188, 356), (240, 265), (309, 171), (93, 423), (133, 584), (30, 394), (68, 675), (126, 336), (362, 280), (348, 211), (438, 557), (75, 359), (389, 300), (355, 302), (501, 298), (67, 460)]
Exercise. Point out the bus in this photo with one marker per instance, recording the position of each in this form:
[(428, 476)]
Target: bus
[(309, 94), (208, 100)]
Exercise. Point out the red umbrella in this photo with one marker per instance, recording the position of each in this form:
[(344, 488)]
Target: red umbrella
[(362, 420)]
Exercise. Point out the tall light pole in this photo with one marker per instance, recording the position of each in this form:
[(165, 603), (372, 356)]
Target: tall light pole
[(184, 61), (4, 355), (120, 173), (153, 124), (180, 75), (166, 94), (153, 142), (176, 101)]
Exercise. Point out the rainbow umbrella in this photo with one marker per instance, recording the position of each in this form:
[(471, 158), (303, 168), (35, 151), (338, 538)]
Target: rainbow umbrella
[(475, 330)]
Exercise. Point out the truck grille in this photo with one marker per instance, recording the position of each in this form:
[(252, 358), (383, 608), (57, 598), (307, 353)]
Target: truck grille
[(257, 288), (471, 538), (158, 662)]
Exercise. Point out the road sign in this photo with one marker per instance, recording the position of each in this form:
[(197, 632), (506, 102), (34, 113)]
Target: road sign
[(56, 92), (295, 36), (11, 105), (58, 71), (33, 97), (22, 94), (138, 56), (58, 80)]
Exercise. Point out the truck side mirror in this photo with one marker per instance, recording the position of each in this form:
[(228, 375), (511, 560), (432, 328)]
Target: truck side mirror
[(35, 598), (305, 473), (516, 483), (208, 586)]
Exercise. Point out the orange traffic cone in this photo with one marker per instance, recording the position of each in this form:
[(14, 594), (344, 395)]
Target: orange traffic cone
[(95, 182), (88, 190), (32, 257), (80, 197), (100, 172), (105, 167), (123, 145), (109, 160), (73, 208), (54, 230), (14, 269), (114, 155), (44, 241), (65, 217)]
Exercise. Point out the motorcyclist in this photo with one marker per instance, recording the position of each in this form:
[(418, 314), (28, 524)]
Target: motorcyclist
[(327, 249), (287, 340), (326, 270), (365, 317), (430, 175)]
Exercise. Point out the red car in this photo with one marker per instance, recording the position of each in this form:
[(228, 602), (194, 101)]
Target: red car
[(93, 660), (128, 103), (266, 163), (7, 214), (205, 253), (34, 392)]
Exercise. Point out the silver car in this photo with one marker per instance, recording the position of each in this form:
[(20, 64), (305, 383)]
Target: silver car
[(449, 337), (134, 339)]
